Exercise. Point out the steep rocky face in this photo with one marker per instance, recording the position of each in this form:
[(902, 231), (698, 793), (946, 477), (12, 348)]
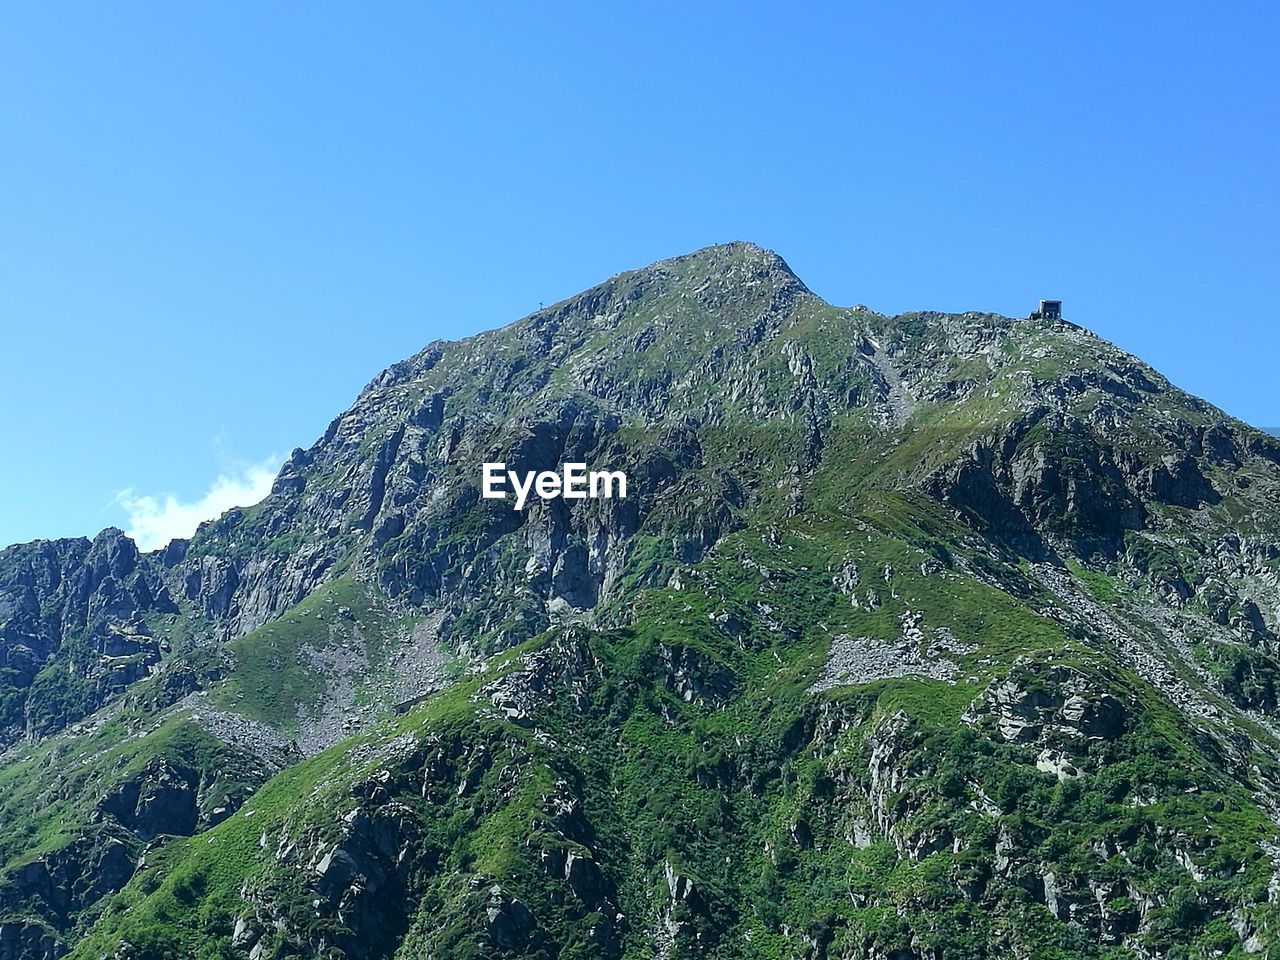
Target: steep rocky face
[(75, 627), (915, 636), (395, 475), (658, 372)]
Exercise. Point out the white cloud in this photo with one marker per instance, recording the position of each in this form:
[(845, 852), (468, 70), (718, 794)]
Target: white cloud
[(155, 520)]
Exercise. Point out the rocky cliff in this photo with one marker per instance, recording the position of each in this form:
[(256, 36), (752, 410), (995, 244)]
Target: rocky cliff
[(920, 636)]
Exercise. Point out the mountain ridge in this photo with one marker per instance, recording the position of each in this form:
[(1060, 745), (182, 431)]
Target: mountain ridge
[(967, 614)]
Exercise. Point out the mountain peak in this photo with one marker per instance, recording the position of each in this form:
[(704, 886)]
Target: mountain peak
[(731, 257), (946, 610), (736, 280)]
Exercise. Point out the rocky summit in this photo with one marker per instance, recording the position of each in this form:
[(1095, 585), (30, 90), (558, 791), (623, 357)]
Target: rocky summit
[(919, 636)]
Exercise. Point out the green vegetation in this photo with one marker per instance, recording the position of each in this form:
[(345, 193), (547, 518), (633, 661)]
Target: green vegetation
[(277, 674), (920, 636), (754, 789), (1104, 588)]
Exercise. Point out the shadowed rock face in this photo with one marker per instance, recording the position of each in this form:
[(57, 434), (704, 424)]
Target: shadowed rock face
[(162, 799), (96, 594), (955, 619)]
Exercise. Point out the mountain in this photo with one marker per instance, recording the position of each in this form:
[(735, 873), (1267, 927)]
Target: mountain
[(930, 635)]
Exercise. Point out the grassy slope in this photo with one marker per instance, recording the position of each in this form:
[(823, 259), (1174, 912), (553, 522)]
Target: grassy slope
[(274, 679), (642, 756)]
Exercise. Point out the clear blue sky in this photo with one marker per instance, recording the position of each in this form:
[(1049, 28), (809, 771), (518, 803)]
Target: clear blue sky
[(219, 221)]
